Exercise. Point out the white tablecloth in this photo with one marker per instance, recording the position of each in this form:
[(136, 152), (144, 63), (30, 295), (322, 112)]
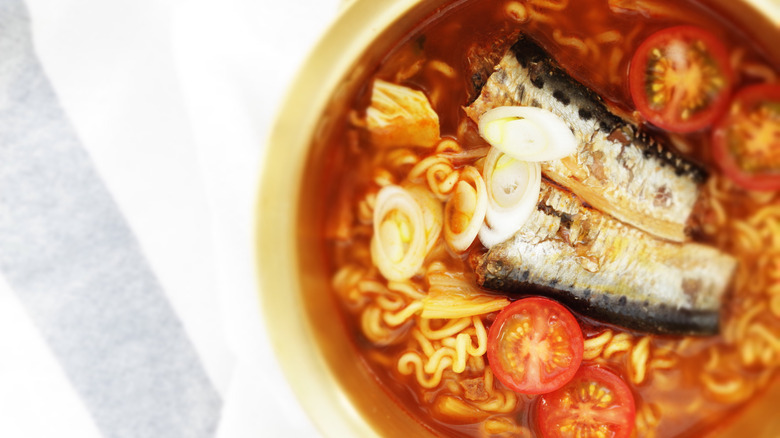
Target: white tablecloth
[(131, 137)]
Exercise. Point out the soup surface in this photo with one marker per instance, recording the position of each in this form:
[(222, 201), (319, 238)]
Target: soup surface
[(405, 227)]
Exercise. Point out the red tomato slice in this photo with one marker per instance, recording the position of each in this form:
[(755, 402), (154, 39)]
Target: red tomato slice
[(680, 78), (595, 403), (535, 346), (746, 140)]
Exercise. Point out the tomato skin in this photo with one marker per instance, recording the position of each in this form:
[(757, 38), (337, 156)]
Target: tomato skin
[(745, 101), (573, 411), (535, 346), (671, 115)]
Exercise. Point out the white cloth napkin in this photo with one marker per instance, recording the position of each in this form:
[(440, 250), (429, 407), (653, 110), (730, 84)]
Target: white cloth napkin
[(131, 137)]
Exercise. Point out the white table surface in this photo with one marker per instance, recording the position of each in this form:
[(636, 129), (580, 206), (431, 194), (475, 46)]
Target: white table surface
[(172, 101)]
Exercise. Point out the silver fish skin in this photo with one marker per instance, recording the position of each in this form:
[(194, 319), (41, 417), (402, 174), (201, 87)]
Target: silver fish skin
[(608, 270), (617, 168)]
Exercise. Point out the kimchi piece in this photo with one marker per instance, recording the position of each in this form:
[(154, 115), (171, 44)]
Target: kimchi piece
[(401, 116)]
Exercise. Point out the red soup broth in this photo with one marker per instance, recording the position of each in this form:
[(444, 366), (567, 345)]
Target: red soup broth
[(687, 384)]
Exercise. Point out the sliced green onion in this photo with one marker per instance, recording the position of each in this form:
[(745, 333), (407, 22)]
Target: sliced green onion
[(465, 210), (407, 221), (513, 188), (527, 133)]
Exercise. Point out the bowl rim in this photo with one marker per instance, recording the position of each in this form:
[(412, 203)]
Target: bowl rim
[(354, 30)]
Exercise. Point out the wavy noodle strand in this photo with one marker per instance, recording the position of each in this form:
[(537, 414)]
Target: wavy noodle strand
[(595, 346), (411, 362), (573, 42), (640, 353), (517, 11), (450, 328)]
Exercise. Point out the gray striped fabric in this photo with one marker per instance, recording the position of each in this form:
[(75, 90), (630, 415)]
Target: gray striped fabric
[(69, 255)]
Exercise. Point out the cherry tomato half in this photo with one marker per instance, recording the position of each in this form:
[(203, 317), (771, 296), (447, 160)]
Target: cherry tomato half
[(535, 346), (746, 140), (680, 78), (595, 403)]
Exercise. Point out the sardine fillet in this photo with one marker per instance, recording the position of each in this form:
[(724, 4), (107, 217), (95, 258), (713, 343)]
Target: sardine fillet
[(608, 270), (617, 169)]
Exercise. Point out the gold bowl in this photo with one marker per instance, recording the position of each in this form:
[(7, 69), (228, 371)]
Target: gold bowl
[(310, 340)]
